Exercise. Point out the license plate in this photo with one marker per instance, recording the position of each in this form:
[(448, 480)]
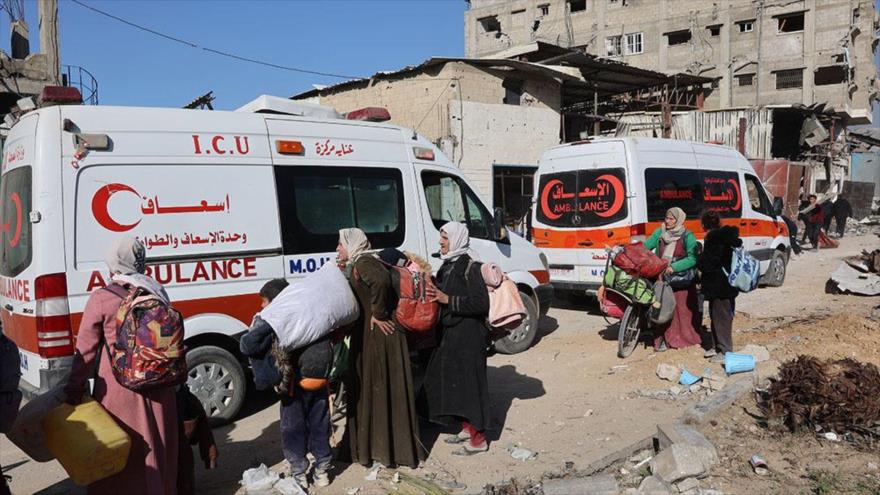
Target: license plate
[(561, 273)]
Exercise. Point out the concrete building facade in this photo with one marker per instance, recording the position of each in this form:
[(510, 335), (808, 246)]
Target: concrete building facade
[(762, 52)]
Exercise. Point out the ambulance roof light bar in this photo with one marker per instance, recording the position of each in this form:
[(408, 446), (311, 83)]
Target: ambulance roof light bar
[(369, 114), (60, 95)]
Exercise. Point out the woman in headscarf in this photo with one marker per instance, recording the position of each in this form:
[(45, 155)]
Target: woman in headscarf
[(674, 242), (455, 384), (149, 418), (381, 422)]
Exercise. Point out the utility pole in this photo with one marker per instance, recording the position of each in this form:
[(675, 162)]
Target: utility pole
[(49, 45)]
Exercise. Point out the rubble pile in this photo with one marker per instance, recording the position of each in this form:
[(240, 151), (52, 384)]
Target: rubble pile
[(815, 395), (857, 275)]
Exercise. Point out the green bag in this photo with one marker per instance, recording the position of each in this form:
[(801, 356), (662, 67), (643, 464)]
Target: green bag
[(639, 289)]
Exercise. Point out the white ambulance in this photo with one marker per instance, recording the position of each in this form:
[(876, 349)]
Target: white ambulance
[(223, 201), (603, 192)]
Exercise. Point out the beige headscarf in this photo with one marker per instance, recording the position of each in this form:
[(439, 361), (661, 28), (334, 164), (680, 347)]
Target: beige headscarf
[(670, 236), (355, 242), (127, 261)]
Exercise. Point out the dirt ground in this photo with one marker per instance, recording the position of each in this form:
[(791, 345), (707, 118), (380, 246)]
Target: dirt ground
[(572, 401)]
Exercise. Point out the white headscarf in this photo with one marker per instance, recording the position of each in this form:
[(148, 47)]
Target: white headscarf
[(459, 241), (127, 261), (355, 242)]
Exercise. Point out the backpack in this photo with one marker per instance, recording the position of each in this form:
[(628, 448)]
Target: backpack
[(745, 271), (10, 373), (414, 311), (637, 260), (148, 353)]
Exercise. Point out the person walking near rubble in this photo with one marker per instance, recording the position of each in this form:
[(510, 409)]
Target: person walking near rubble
[(674, 242), (716, 257), (150, 417), (841, 210), (381, 422), (813, 218), (456, 385)]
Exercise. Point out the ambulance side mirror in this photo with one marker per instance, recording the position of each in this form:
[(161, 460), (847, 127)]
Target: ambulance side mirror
[(778, 206), (498, 225)]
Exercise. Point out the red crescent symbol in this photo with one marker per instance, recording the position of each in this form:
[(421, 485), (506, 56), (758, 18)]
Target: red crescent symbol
[(545, 195), (99, 207), (735, 183), (619, 195), (17, 237)]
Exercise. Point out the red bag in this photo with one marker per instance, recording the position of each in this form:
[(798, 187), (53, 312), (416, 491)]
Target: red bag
[(611, 303), (414, 311), (637, 260)]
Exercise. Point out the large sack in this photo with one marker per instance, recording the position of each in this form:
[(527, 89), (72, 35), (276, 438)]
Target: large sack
[(636, 288), (637, 260), (311, 308), (663, 307)]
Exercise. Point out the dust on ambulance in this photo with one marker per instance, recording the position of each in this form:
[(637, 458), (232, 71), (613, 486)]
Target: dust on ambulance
[(223, 201), (603, 192)]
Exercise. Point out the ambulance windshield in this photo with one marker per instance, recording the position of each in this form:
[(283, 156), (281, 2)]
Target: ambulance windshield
[(15, 225)]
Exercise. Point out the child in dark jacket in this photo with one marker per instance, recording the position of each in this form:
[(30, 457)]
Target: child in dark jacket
[(305, 412), (717, 255)]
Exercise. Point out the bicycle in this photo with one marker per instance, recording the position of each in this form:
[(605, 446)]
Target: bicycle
[(632, 311)]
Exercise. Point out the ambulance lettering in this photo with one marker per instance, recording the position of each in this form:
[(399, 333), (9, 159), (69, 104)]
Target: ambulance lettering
[(597, 272), (202, 271), (220, 145), (13, 156), (584, 197), (17, 290), (308, 265), (149, 206)]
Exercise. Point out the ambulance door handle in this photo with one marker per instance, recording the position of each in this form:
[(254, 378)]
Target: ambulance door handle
[(585, 243), (753, 223), (742, 223)]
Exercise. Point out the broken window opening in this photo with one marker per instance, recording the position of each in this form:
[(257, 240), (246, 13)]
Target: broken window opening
[(792, 23), (746, 26), (490, 24), (577, 5), (613, 46), (790, 79), (544, 9), (786, 135), (513, 91), (678, 37), (715, 30), (855, 16), (745, 80), (832, 74)]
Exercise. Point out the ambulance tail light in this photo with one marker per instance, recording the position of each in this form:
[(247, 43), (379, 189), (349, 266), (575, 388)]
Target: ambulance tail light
[(60, 95), (285, 147), (369, 114), (637, 232), (423, 153), (52, 314)]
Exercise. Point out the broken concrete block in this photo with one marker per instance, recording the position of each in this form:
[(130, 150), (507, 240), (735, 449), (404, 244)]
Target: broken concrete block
[(688, 484), (668, 372), (759, 352), (681, 461), (603, 484), (764, 372), (652, 485), (670, 434), (705, 410), (714, 382)]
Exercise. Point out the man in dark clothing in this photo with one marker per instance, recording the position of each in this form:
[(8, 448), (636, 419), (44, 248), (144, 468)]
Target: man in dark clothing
[(716, 257), (842, 210), (827, 215), (814, 219), (792, 234)]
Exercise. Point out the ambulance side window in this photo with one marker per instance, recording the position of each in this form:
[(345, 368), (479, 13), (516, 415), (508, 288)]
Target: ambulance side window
[(451, 200), (668, 187), (15, 234), (315, 202), (757, 198)]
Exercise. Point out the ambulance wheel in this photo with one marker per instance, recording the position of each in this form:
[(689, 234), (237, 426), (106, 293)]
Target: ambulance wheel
[(521, 337), (217, 379), (775, 275), (628, 331)]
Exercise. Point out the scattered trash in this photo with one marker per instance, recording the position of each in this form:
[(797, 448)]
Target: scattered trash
[(624, 471), (759, 465), (396, 478), (520, 453), (796, 339), (588, 413), (668, 372), (259, 479), (288, 486), (621, 368), (831, 436), (872, 466), (738, 363), (841, 395), (643, 462), (352, 491), (687, 378), (373, 475)]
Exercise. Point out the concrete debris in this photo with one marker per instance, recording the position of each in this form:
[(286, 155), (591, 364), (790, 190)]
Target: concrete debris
[(872, 466), (352, 491), (670, 434), (520, 453), (848, 280), (710, 492), (687, 485), (875, 314), (759, 352), (708, 408), (653, 485), (831, 436), (695, 388), (668, 372), (764, 372), (675, 390), (603, 484), (681, 461)]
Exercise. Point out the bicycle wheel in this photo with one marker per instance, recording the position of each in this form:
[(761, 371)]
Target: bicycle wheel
[(628, 332)]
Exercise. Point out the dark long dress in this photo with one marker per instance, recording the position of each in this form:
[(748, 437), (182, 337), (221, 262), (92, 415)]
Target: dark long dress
[(456, 386), (381, 424)]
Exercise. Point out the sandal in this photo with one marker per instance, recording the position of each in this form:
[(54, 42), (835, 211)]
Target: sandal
[(458, 438), (468, 449)]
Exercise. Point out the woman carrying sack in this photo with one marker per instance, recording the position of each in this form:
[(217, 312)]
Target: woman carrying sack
[(674, 242)]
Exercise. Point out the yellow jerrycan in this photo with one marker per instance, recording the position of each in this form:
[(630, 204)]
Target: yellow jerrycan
[(86, 441)]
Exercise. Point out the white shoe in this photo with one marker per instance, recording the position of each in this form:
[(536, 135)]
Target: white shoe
[(322, 477), (302, 480)]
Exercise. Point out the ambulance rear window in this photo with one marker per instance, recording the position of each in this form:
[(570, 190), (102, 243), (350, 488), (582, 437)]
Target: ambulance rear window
[(15, 225), (582, 198)]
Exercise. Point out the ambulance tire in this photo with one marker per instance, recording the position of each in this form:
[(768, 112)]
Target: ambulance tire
[(775, 275), (217, 379), (522, 337)]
